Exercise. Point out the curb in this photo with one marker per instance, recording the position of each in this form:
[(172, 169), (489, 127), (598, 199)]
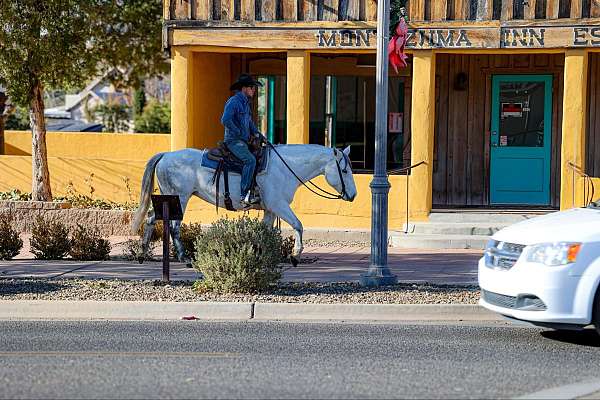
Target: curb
[(121, 310), (146, 310), (373, 312)]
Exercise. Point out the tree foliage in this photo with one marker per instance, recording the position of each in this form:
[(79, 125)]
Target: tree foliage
[(156, 118), (18, 120), (62, 43)]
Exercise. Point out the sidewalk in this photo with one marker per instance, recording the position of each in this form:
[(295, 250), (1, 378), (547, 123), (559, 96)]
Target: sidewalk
[(318, 264)]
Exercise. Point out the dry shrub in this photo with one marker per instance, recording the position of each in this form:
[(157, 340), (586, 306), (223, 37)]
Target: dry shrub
[(49, 240), (88, 245), (10, 242)]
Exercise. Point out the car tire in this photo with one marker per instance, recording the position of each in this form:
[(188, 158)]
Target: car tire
[(596, 311)]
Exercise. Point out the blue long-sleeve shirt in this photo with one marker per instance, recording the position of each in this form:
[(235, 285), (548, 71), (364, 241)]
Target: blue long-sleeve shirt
[(237, 119)]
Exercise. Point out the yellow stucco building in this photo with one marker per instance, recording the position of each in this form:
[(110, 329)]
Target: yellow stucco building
[(499, 102), (499, 99)]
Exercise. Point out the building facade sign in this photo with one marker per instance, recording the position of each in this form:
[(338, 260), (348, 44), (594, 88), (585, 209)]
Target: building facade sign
[(460, 37), (470, 38)]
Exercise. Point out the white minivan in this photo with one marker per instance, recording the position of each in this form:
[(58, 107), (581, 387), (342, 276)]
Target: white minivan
[(546, 270)]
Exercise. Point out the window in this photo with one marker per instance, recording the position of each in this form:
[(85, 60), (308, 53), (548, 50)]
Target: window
[(342, 113)]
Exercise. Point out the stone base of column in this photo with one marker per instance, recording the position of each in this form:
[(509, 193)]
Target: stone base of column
[(378, 276)]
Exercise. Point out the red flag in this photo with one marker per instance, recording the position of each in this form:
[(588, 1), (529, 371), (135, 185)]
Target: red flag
[(396, 46)]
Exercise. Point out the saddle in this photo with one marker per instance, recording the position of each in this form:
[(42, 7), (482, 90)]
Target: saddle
[(228, 162)]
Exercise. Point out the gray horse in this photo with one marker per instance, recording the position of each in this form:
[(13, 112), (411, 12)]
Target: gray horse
[(180, 173)]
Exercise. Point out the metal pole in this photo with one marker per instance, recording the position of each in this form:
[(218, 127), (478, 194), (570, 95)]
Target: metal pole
[(378, 273), (165, 275)]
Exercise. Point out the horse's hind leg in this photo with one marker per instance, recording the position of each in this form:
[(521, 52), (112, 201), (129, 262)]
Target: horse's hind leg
[(176, 234), (148, 230)]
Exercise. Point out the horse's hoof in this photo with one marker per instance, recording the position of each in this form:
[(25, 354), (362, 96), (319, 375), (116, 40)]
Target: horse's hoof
[(141, 260), (189, 265), (294, 261)]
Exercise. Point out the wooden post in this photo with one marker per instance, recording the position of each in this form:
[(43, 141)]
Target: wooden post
[(576, 7), (529, 9), (298, 96), (371, 10), (595, 9), (573, 123), (552, 7), (203, 10), (290, 10), (166, 228), (268, 10), (438, 10), (507, 10), (484, 10), (417, 10), (422, 128), (309, 10), (330, 10)]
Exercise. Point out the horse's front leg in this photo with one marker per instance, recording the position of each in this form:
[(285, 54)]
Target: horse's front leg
[(283, 211), (268, 218)]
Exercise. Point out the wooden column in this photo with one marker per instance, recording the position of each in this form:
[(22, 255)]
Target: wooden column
[(422, 132), (573, 124), (298, 96), (181, 107)]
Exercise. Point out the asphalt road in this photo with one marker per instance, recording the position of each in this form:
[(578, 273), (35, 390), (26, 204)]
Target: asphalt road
[(287, 360)]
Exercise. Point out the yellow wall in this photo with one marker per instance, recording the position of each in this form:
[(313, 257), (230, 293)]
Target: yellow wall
[(315, 212), (106, 177), (118, 146)]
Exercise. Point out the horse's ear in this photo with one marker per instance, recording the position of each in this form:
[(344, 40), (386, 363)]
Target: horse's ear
[(347, 151)]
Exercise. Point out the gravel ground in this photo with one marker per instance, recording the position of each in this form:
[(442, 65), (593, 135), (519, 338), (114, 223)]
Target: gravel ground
[(117, 290)]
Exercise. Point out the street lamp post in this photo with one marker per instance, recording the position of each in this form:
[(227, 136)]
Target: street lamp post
[(378, 273)]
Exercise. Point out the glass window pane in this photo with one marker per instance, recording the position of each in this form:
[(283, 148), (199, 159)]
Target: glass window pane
[(521, 114)]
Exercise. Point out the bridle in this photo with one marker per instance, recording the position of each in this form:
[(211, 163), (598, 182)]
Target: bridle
[(326, 195)]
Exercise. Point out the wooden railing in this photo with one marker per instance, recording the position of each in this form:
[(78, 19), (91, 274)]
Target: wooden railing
[(366, 10)]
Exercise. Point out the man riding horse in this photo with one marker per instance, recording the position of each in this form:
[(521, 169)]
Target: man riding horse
[(240, 130)]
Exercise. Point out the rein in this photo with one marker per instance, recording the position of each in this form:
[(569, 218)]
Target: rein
[(327, 195)]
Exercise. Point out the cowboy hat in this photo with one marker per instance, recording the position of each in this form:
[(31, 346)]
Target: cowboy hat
[(244, 80)]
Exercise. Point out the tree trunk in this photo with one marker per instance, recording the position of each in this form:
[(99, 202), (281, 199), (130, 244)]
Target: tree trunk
[(40, 176), (2, 108)]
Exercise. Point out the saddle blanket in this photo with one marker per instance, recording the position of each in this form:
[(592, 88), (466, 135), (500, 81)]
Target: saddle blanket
[(236, 168)]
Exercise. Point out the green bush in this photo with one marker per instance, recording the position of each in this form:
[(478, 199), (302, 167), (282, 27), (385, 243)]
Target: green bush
[(188, 235), (238, 256), (156, 118), (49, 240), (88, 245), (10, 242)]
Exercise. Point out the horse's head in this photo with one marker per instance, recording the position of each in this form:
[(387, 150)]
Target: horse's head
[(338, 173)]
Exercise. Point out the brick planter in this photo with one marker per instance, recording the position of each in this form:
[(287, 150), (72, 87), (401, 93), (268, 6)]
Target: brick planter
[(108, 222)]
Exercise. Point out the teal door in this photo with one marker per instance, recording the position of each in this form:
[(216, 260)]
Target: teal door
[(521, 139)]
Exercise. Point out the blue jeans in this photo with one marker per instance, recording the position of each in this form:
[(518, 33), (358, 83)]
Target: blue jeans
[(240, 149)]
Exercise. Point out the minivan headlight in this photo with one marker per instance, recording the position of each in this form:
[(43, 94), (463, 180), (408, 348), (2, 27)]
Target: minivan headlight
[(553, 254)]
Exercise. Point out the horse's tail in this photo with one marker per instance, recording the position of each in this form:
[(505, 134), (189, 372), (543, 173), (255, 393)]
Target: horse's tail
[(147, 187)]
